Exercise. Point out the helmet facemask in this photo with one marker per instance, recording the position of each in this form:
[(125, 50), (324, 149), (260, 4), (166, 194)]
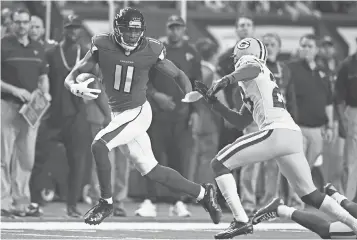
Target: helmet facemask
[(129, 36)]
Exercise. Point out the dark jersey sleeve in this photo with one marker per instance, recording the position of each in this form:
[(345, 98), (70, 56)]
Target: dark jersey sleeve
[(94, 48), (196, 70), (158, 48)]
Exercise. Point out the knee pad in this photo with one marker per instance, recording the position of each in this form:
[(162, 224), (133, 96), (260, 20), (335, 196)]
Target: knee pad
[(99, 145), (314, 199), (218, 168)]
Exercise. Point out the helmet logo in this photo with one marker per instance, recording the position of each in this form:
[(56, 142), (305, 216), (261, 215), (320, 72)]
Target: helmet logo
[(135, 23), (243, 45)]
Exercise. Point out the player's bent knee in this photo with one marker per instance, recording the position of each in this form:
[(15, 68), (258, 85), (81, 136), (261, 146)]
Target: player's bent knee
[(218, 168), (314, 199)]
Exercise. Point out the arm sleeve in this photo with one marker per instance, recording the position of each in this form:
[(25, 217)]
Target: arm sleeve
[(233, 117), (166, 67), (196, 67)]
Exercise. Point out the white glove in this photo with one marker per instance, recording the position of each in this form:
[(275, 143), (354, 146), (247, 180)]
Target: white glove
[(82, 90)]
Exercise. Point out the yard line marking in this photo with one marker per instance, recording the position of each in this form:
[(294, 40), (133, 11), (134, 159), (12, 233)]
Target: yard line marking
[(140, 226)]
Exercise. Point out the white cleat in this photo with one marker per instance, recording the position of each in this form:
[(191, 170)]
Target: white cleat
[(146, 209), (180, 210)]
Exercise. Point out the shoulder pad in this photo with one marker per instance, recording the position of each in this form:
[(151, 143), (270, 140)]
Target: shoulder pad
[(156, 45), (100, 39)]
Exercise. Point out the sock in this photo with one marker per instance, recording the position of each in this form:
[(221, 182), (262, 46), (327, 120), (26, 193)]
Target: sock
[(227, 185), (332, 208), (174, 180), (285, 211), (109, 200), (350, 207), (100, 153), (202, 194), (312, 222), (340, 230), (338, 197)]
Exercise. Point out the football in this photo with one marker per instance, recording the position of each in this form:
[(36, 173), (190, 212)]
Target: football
[(85, 76)]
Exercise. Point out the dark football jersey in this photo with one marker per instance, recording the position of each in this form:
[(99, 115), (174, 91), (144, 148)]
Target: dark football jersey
[(125, 77)]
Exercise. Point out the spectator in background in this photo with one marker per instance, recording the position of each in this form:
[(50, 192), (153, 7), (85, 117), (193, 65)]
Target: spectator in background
[(23, 70), (37, 32), (346, 91), (205, 123), (98, 119), (6, 22), (328, 60), (67, 123), (313, 110), (170, 132)]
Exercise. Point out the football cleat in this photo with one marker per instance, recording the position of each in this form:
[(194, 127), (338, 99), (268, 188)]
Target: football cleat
[(269, 212), (329, 189), (210, 204), (235, 229), (98, 213)]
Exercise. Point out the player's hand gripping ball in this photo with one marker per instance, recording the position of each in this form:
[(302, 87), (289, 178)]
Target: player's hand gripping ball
[(87, 86)]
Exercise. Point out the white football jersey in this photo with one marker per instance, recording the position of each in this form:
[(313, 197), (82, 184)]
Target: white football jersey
[(264, 100)]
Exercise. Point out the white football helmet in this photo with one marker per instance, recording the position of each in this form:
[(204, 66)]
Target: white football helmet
[(249, 47)]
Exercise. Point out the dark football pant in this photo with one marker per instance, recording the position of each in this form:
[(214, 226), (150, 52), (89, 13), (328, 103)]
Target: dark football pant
[(75, 135)]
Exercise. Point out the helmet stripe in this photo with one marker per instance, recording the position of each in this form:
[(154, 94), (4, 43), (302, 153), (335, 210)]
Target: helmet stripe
[(262, 50)]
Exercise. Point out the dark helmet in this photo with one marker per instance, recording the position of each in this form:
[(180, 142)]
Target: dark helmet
[(129, 20)]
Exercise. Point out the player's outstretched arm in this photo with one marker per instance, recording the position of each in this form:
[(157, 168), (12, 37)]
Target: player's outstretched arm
[(85, 65), (168, 68), (244, 72), (239, 120)]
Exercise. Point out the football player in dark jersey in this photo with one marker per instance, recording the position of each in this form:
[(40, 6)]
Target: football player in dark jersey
[(125, 57)]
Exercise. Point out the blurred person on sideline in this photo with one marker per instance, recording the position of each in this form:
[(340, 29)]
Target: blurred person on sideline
[(37, 32), (98, 119), (170, 131), (329, 61), (6, 22), (23, 70), (313, 111), (346, 92), (67, 123), (37, 180), (205, 123)]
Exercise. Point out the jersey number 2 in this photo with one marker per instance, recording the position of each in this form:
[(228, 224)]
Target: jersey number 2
[(123, 77)]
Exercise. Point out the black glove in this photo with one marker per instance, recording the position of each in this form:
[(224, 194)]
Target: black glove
[(202, 89), (218, 86)]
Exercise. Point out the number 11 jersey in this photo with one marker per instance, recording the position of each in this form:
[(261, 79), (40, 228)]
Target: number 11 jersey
[(262, 98), (125, 75)]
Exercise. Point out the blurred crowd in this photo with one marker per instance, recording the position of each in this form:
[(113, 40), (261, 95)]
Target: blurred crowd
[(53, 160), (294, 8)]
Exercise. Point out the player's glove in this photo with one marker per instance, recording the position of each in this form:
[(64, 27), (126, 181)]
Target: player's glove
[(202, 89), (81, 90), (218, 86)]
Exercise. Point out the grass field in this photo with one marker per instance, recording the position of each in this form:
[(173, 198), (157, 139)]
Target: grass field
[(55, 225)]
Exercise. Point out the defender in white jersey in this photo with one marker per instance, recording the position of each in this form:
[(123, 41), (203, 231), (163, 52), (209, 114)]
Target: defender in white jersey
[(278, 138)]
